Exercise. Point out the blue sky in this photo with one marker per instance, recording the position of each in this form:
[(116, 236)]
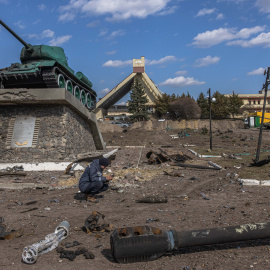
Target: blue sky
[(189, 45)]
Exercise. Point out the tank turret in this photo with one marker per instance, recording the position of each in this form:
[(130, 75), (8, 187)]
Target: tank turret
[(44, 66)]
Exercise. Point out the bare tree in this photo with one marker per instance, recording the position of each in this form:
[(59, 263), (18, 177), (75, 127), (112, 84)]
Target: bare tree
[(185, 108)]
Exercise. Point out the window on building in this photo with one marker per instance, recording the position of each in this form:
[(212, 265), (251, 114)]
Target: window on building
[(249, 102), (259, 102), (268, 101), (254, 102)]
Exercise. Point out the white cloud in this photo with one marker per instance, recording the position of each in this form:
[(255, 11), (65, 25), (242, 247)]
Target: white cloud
[(47, 33), (263, 5), (104, 91), (117, 63), (118, 9), (217, 36), (117, 33), (206, 61), (181, 81), (60, 40), (41, 7), (102, 33), (19, 24), (166, 59), (168, 11), (205, 11), (181, 72), (258, 71), (261, 40), (247, 32), (93, 24), (67, 17), (220, 16)]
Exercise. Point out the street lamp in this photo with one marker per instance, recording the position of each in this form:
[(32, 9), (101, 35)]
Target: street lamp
[(210, 99)]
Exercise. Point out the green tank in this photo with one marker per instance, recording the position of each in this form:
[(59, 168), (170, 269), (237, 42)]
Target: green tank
[(45, 66)]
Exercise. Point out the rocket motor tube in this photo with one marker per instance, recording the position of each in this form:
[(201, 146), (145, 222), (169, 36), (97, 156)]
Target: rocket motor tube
[(141, 243), (145, 243), (228, 234)]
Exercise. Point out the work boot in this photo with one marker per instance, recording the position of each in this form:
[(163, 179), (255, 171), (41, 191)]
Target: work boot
[(92, 199)]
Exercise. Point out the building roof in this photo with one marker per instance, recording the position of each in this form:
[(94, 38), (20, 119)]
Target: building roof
[(119, 91)]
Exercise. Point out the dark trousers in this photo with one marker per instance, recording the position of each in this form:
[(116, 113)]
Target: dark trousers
[(94, 188)]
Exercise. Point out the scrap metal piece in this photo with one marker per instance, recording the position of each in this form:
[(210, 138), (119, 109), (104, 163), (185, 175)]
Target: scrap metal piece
[(145, 243), (92, 225), (197, 166), (4, 235), (51, 241)]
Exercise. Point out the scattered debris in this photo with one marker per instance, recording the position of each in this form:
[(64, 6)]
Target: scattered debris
[(4, 235), (71, 255), (174, 173), (197, 166), (51, 241), (260, 163), (206, 197), (73, 244), (153, 199), (29, 210), (91, 224), (160, 156), (151, 220)]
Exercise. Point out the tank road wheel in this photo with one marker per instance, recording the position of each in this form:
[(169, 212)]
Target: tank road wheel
[(77, 93), (61, 81), (69, 86), (83, 97), (88, 101)]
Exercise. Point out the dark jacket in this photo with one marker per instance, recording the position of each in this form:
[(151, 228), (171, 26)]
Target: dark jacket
[(93, 173)]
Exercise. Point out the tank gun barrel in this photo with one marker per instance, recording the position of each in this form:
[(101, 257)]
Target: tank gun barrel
[(28, 47)]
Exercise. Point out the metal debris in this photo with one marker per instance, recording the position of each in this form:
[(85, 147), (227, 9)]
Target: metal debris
[(92, 226), (51, 241)]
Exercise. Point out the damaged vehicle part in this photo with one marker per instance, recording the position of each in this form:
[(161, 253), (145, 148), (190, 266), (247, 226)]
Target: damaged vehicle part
[(51, 241), (146, 243)]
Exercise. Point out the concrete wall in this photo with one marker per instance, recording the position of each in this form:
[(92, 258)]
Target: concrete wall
[(61, 134), (188, 124)]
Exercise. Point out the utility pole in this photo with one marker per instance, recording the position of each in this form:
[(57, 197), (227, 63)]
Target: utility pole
[(265, 87), (210, 116)]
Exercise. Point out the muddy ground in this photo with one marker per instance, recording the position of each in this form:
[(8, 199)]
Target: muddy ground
[(197, 199)]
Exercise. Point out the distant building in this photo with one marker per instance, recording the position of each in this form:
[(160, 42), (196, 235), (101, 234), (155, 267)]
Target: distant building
[(254, 102)]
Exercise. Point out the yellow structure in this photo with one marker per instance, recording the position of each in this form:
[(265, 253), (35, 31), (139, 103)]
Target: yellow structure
[(119, 91), (259, 114)]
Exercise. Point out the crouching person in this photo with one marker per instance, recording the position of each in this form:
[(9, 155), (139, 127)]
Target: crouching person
[(92, 181)]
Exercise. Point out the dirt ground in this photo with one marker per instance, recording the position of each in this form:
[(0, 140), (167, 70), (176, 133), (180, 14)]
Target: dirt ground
[(197, 199)]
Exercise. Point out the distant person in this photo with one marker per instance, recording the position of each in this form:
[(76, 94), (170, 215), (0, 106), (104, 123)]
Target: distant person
[(92, 181)]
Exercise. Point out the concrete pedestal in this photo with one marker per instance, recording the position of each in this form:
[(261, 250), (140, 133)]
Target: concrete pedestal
[(42, 125)]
